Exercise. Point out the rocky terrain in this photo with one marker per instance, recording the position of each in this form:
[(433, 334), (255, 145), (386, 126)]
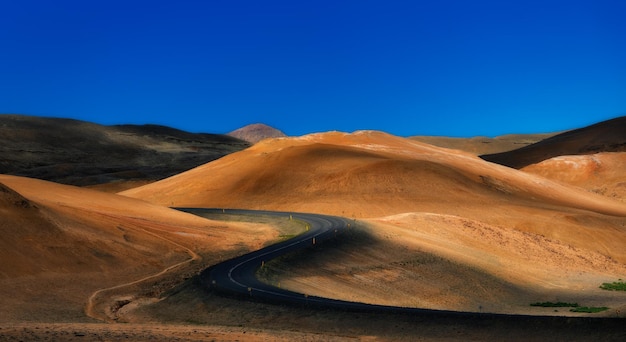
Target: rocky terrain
[(83, 153)]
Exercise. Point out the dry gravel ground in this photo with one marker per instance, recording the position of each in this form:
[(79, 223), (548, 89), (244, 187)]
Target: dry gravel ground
[(144, 332), (83, 153), (191, 314)]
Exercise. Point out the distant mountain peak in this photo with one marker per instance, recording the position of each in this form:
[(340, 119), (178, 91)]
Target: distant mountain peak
[(256, 132)]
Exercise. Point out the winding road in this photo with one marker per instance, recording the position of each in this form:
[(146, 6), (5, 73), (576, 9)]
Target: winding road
[(237, 276)]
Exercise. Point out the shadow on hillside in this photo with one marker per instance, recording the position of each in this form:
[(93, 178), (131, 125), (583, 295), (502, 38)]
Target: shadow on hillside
[(190, 303)]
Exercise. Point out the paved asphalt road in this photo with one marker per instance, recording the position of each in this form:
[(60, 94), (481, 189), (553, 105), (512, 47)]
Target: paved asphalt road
[(237, 276)]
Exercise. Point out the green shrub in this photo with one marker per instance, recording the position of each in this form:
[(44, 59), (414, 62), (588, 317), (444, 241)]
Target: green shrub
[(555, 305), (588, 309), (614, 286)]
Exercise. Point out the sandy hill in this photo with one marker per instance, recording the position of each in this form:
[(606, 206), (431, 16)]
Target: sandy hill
[(606, 136), (527, 237), (256, 132), (61, 244), (601, 173), (82, 153), (378, 173)]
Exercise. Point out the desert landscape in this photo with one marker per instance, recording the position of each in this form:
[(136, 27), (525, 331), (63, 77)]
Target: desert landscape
[(517, 234)]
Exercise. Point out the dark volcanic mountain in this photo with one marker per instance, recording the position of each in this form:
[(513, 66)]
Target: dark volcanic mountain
[(256, 132), (82, 153), (605, 136)]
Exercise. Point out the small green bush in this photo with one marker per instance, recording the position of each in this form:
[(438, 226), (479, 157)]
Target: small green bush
[(614, 286), (555, 305), (588, 309)]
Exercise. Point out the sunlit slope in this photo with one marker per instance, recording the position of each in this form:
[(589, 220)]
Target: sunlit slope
[(438, 261), (602, 173), (60, 243), (447, 229), (365, 174), (373, 174), (92, 228)]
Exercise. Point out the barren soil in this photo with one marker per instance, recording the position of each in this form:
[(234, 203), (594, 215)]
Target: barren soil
[(83, 153), (434, 228), (601, 173), (79, 254)]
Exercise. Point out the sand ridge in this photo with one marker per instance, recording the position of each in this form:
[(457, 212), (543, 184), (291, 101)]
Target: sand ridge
[(528, 237), (92, 243), (373, 174), (300, 173)]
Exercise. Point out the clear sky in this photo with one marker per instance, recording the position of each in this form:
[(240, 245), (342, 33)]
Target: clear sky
[(450, 68)]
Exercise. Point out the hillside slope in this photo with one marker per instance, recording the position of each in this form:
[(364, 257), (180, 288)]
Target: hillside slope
[(59, 244), (522, 236), (82, 153), (484, 145), (601, 173), (606, 136), (372, 173)]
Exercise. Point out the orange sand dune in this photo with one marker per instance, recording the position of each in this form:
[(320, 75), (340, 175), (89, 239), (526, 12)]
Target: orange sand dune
[(438, 219), (434, 228), (372, 174), (601, 173), (379, 174), (447, 262), (533, 235), (61, 243)]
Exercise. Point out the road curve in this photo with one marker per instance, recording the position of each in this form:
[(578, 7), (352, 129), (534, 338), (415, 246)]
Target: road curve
[(237, 276)]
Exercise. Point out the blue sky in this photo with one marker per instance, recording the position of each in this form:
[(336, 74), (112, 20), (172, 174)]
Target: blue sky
[(450, 68)]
